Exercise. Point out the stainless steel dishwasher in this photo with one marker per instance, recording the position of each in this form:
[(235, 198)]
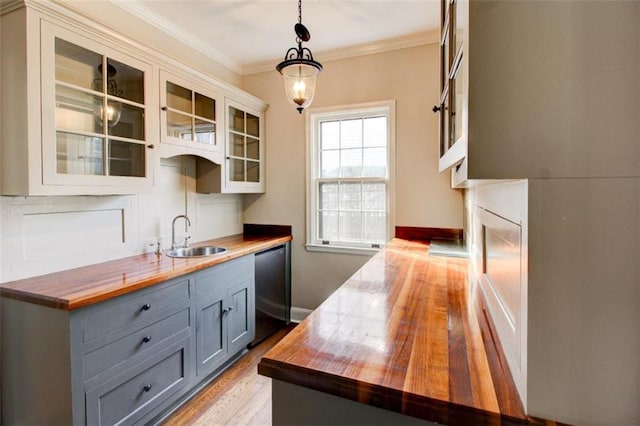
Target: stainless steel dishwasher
[(273, 291)]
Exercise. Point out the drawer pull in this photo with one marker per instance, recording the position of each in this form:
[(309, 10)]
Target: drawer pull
[(146, 339), (147, 388), (145, 307)]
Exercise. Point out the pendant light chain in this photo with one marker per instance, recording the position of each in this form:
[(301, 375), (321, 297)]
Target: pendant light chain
[(299, 11)]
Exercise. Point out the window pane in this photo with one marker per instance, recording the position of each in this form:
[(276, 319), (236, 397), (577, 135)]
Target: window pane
[(328, 226), (351, 134), (330, 164), (375, 162), (205, 132), (253, 125), (374, 197), (178, 125), (125, 120), (236, 120), (375, 131), (205, 107), (351, 163), (77, 65), (375, 227), (126, 159), (79, 155), (253, 171), (178, 98), (237, 145), (76, 110), (328, 197), (253, 148), (350, 196), (351, 226), (330, 135), (125, 81), (236, 170)]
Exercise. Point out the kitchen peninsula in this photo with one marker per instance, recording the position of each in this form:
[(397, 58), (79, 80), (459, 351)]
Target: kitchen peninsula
[(403, 341)]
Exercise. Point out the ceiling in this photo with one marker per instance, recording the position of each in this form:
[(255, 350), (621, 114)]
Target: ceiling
[(252, 35)]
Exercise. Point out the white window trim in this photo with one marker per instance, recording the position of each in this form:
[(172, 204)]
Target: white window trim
[(345, 111)]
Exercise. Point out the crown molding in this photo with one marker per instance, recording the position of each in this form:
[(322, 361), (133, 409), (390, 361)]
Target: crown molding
[(9, 6), (410, 40), (140, 11)]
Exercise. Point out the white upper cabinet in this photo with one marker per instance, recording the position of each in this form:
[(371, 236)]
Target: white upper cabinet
[(243, 168), (245, 150), (86, 111), (75, 112), (191, 117), (94, 108), (521, 100)]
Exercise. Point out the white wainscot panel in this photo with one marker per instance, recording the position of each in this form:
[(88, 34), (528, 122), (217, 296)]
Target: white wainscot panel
[(43, 235), (66, 233)]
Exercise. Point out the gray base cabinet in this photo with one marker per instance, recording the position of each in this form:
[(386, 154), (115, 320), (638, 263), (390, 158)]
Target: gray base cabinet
[(129, 359), (224, 312)]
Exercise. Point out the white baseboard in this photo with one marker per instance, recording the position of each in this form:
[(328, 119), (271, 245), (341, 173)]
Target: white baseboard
[(299, 314)]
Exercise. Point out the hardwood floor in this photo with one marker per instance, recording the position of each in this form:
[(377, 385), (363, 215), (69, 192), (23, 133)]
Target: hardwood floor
[(239, 396)]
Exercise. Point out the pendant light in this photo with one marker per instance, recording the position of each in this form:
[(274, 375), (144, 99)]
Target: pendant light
[(299, 69)]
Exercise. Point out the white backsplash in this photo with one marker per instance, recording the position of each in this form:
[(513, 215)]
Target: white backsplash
[(40, 235)]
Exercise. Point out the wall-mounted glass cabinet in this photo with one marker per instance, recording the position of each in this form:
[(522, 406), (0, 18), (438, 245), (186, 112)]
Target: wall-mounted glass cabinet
[(245, 149), (451, 107), (94, 114), (190, 116)]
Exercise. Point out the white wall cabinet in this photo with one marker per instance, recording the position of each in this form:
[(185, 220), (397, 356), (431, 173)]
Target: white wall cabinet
[(75, 112), (86, 111), (529, 101), (243, 169), (192, 115)]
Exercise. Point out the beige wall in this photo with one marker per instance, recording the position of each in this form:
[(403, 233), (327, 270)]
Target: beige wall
[(423, 196)]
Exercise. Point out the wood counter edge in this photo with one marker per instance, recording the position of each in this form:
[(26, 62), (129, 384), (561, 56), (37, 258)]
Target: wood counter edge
[(80, 302), (429, 409)]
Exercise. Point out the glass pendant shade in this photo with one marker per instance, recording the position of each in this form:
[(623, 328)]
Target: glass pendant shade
[(299, 69), (300, 84)]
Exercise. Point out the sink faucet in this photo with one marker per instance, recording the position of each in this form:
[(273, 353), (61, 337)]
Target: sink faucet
[(173, 229)]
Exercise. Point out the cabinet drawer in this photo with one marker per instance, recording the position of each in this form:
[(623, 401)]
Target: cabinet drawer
[(129, 397), (130, 309), (140, 341)]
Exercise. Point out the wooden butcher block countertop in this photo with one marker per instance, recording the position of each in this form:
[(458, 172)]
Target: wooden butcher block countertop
[(76, 288), (404, 334)]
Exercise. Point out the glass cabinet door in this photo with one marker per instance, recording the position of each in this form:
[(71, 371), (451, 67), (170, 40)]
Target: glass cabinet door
[(452, 83), (244, 155), (189, 114), (99, 114)]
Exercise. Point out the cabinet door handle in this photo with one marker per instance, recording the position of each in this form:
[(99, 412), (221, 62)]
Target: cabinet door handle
[(145, 307), (435, 108), (227, 310), (164, 108), (146, 339), (151, 146), (147, 387)]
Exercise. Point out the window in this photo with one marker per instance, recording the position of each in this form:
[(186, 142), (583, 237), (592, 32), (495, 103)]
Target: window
[(350, 177)]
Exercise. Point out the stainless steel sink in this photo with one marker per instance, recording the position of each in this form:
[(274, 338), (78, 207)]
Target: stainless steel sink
[(195, 251)]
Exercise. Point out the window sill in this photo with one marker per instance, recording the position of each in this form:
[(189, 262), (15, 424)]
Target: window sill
[(362, 251)]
